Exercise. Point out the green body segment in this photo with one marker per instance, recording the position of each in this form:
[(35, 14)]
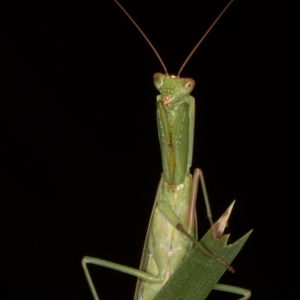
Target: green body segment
[(175, 122), (166, 245)]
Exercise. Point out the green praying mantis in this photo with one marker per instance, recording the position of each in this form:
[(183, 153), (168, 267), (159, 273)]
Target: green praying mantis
[(172, 230)]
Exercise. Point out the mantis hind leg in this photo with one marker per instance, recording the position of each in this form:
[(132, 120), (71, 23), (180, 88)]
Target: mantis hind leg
[(233, 289), (108, 264), (198, 176)]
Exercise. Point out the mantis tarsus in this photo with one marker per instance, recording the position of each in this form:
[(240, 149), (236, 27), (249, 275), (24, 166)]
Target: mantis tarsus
[(172, 229)]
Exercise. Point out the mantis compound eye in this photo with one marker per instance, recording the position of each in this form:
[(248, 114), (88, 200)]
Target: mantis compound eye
[(158, 79), (187, 85)]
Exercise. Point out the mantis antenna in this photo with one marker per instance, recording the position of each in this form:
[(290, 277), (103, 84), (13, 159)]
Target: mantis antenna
[(204, 36), (194, 49), (144, 35)]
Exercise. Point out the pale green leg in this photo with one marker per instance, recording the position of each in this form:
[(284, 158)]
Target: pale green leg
[(125, 269), (198, 174), (234, 290), (104, 263)]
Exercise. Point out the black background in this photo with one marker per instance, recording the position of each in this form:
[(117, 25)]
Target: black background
[(80, 158)]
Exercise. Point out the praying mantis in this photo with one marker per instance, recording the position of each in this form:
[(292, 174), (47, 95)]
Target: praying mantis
[(172, 230)]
